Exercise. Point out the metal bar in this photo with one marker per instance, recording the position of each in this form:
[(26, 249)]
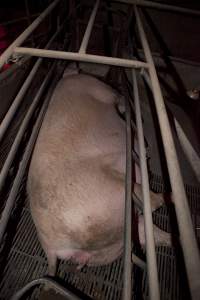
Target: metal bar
[(121, 62), (148, 222), (138, 261), (9, 51), (29, 19), (13, 21), (88, 30), (157, 55), (20, 134), (187, 235), (151, 4), (190, 153), (127, 274), (50, 283), (19, 97), (23, 164)]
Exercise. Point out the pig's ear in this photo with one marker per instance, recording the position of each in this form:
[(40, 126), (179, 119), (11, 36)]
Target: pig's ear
[(72, 69)]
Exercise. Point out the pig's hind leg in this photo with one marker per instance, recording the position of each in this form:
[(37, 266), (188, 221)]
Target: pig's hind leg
[(157, 199), (161, 237)]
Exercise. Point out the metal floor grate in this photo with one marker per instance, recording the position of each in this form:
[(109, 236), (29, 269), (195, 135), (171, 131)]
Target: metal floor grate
[(24, 260)]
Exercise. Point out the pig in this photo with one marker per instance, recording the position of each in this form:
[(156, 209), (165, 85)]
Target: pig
[(77, 175)]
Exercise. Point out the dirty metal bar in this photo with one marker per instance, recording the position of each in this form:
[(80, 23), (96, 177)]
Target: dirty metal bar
[(19, 97), (187, 235), (127, 274), (23, 127), (9, 51), (88, 31), (149, 236), (23, 164), (50, 284), (190, 153), (160, 6), (120, 62)]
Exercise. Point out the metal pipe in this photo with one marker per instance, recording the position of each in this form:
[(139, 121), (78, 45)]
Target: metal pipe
[(88, 30), (20, 134), (187, 235), (13, 21), (9, 51), (22, 167), (120, 62), (50, 283), (138, 261), (189, 151), (151, 4), (19, 97), (29, 19), (127, 274), (148, 222)]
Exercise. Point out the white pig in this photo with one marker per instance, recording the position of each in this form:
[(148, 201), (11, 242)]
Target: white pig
[(77, 175)]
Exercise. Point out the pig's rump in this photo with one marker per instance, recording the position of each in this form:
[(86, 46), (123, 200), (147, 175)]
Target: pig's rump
[(76, 177)]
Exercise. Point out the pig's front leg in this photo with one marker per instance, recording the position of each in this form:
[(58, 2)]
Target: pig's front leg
[(157, 199), (161, 237)]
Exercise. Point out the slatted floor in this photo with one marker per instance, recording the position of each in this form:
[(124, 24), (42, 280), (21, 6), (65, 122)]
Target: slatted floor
[(24, 260)]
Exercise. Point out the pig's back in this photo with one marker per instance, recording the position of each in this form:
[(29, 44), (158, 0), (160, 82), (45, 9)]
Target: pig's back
[(75, 181)]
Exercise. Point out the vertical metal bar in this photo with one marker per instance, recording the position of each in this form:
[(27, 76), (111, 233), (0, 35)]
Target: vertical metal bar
[(28, 15), (23, 164), (188, 149), (187, 235), (127, 280), (88, 30), (149, 237), (23, 127), (26, 33)]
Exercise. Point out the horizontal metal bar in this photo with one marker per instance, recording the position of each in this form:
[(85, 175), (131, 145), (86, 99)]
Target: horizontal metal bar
[(114, 61), (9, 51), (161, 6), (19, 97), (190, 153), (20, 173), (23, 127), (127, 274), (88, 31), (187, 235), (147, 211)]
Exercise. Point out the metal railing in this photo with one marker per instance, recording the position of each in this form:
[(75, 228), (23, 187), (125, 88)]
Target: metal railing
[(187, 236)]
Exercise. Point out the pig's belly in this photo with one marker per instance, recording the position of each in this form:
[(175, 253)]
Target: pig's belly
[(78, 208)]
